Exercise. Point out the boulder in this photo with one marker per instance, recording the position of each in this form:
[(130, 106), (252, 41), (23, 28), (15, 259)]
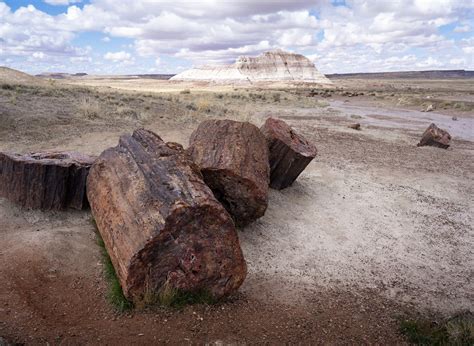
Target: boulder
[(161, 224), (233, 158), (46, 180), (289, 152), (435, 137)]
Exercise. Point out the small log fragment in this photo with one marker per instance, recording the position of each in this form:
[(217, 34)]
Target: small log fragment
[(47, 181), (435, 137), (161, 224), (233, 158), (355, 126), (289, 152)]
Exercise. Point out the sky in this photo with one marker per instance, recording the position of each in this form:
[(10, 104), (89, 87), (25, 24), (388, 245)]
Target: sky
[(168, 36)]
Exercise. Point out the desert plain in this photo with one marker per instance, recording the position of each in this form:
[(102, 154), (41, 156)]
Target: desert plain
[(375, 231)]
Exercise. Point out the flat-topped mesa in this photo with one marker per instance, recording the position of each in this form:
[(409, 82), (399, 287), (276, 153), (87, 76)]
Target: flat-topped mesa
[(272, 66)]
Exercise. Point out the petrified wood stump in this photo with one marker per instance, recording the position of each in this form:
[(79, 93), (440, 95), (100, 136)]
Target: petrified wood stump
[(160, 222), (48, 181), (435, 137), (233, 158), (289, 152)]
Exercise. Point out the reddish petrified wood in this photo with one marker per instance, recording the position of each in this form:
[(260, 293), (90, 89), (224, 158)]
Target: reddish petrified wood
[(160, 222), (289, 151), (48, 181), (233, 158), (355, 126), (435, 137)]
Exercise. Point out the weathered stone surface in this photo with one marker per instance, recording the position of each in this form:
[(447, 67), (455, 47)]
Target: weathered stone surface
[(47, 181), (289, 152), (435, 137), (160, 222), (233, 158), (274, 65)]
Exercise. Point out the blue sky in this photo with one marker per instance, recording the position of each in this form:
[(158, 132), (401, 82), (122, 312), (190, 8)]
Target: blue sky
[(127, 37)]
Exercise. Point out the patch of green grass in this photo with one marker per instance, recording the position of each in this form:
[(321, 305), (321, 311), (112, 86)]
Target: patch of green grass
[(458, 330), (167, 296), (171, 297), (115, 293)]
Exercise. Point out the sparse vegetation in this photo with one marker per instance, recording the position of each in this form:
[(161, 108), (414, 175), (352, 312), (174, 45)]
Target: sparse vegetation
[(458, 330), (115, 293)]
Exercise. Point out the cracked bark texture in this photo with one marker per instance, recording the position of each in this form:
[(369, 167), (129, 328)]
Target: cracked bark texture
[(46, 180), (233, 158), (160, 222), (289, 152)]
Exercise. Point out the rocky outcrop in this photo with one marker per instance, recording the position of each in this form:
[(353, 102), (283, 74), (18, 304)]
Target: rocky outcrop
[(270, 66)]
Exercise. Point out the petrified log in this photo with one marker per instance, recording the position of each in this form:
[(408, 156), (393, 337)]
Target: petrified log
[(160, 222), (233, 158), (289, 151), (435, 137), (355, 126), (48, 181)]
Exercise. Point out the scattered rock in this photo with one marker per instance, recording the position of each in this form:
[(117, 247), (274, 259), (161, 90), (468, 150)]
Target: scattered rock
[(233, 158), (161, 224), (47, 180), (355, 126), (455, 118), (289, 152), (429, 108), (435, 137)]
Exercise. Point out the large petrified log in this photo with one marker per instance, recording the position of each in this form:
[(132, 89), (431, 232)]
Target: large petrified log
[(160, 222), (435, 137), (48, 181), (233, 158), (289, 152)]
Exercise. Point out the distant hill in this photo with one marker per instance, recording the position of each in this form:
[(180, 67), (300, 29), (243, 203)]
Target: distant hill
[(435, 74), (9, 75), (60, 75)]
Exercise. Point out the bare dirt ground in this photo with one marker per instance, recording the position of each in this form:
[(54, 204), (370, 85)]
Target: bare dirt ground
[(375, 229)]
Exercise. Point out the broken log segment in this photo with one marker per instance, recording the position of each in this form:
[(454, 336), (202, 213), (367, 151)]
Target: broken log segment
[(289, 152), (233, 158), (435, 137), (160, 222), (47, 180)]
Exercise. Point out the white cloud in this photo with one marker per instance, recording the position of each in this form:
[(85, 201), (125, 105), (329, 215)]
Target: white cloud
[(364, 35), (157, 61), (61, 2), (119, 57), (462, 28)]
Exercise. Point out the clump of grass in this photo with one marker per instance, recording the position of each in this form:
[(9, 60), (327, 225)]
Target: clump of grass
[(276, 97), (203, 105), (89, 108), (185, 91), (6, 86), (115, 294), (169, 296), (458, 330)]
